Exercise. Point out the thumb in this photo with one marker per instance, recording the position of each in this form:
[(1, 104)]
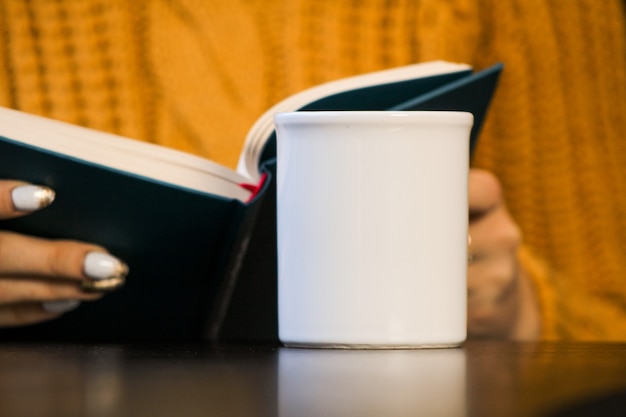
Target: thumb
[(485, 193)]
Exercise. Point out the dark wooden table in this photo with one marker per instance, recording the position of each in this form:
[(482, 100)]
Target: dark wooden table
[(481, 379)]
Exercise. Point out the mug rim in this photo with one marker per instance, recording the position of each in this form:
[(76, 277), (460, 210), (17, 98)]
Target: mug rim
[(375, 116)]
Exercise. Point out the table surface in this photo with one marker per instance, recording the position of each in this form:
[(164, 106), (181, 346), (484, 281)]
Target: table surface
[(482, 378)]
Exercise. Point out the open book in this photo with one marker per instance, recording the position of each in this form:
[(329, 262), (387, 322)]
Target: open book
[(183, 223)]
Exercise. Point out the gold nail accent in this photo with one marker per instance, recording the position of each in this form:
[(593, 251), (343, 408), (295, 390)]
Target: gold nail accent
[(45, 196), (103, 285), (121, 270)]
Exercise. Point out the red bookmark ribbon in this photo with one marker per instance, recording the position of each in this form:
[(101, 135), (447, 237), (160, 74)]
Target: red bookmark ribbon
[(254, 188)]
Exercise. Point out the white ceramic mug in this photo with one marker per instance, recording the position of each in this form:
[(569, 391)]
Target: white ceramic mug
[(372, 228)]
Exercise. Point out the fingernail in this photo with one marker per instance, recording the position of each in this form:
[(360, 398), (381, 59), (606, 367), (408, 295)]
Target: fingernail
[(31, 197), (100, 265), (60, 306)]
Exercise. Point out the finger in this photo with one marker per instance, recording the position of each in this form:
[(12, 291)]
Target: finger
[(22, 255), (18, 198), (27, 256), (22, 314), (485, 193), (22, 290), (494, 234), (492, 294), (491, 281)]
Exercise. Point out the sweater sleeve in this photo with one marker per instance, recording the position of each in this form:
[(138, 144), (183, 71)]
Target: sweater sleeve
[(570, 312), (539, 275), (554, 137)]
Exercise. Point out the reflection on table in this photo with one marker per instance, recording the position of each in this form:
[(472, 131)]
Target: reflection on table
[(371, 383), (479, 379)]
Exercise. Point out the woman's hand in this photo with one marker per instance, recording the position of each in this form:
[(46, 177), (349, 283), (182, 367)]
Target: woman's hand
[(40, 278), (501, 301)]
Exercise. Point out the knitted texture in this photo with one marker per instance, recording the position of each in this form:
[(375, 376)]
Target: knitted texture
[(195, 74)]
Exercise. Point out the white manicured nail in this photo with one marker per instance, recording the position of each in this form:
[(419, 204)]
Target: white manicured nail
[(100, 265), (31, 197), (60, 306)]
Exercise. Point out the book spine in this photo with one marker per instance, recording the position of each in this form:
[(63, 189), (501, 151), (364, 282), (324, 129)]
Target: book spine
[(230, 283)]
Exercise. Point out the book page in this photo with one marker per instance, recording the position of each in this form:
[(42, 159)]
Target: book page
[(115, 152), (261, 131)]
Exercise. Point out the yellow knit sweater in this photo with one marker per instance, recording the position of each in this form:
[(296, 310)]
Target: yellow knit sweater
[(195, 74)]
